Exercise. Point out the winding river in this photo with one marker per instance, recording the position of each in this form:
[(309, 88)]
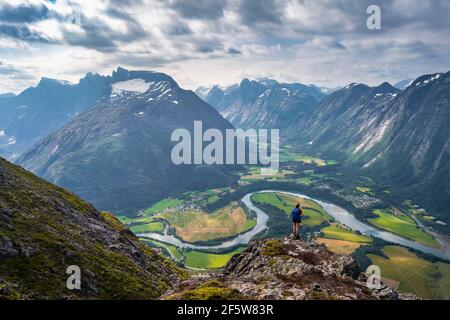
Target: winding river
[(339, 214)]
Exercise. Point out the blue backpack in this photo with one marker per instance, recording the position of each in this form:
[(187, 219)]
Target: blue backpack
[(296, 214)]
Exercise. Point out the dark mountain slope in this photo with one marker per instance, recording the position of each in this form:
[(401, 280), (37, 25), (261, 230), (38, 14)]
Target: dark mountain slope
[(118, 154), (44, 229), (350, 119), (415, 152)]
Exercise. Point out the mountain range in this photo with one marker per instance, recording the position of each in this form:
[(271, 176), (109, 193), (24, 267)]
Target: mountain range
[(38, 111), (399, 137), (107, 139), (263, 103), (117, 154)]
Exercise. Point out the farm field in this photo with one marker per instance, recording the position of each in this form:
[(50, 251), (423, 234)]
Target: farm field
[(137, 220), (426, 279), (254, 175), (148, 227), (163, 205), (206, 260), (340, 246), (337, 232), (364, 190), (290, 155), (397, 222), (195, 225), (314, 214)]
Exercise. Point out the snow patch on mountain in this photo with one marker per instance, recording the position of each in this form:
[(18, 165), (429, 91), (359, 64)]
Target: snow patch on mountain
[(135, 85), (429, 80)]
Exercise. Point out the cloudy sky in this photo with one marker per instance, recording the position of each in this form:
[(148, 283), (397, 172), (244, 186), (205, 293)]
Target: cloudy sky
[(204, 42)]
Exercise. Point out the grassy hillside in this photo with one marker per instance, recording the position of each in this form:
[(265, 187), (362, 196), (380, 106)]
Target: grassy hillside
[(424, 278), (44, 229), (205, 260)]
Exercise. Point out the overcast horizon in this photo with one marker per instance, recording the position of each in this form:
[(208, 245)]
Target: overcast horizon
[(202, 42)]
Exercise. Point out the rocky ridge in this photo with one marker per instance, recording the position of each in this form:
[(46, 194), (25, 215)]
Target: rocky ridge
[(286, 269)]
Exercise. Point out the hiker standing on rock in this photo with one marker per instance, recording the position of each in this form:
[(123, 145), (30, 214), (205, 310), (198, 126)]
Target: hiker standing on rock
[(296, 220)]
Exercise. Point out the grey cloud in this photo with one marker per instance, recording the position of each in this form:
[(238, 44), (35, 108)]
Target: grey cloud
[(101, 37), (134, 29), (178, 29), (234, 51), (22, 32), (6, 69), (13, 72), (23, 13), (208, 46), (254, 12), (199, 9), (129, 3), (97, 36)]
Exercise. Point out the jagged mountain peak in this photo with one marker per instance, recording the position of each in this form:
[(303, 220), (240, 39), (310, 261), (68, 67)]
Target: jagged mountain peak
[(354, 85), (53, 82), (267, 81), (386, 87), (122, 74), (428, 79)]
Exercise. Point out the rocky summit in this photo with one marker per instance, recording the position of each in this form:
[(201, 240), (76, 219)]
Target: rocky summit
[(286, 269)]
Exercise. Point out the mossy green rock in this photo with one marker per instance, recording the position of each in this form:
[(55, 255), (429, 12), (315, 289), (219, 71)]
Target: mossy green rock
[(45, 229)]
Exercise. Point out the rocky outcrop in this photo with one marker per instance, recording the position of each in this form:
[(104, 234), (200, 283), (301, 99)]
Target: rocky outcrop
[(286, 270)]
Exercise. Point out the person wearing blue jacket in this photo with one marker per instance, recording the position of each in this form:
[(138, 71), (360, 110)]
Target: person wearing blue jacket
[(296, 220)]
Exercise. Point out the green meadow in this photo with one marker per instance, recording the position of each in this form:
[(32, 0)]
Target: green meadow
[(337, 232), (395, 221), (163, 205), (148, 227), (289, 155), (314, 214), (426, 279), (206, 260)]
